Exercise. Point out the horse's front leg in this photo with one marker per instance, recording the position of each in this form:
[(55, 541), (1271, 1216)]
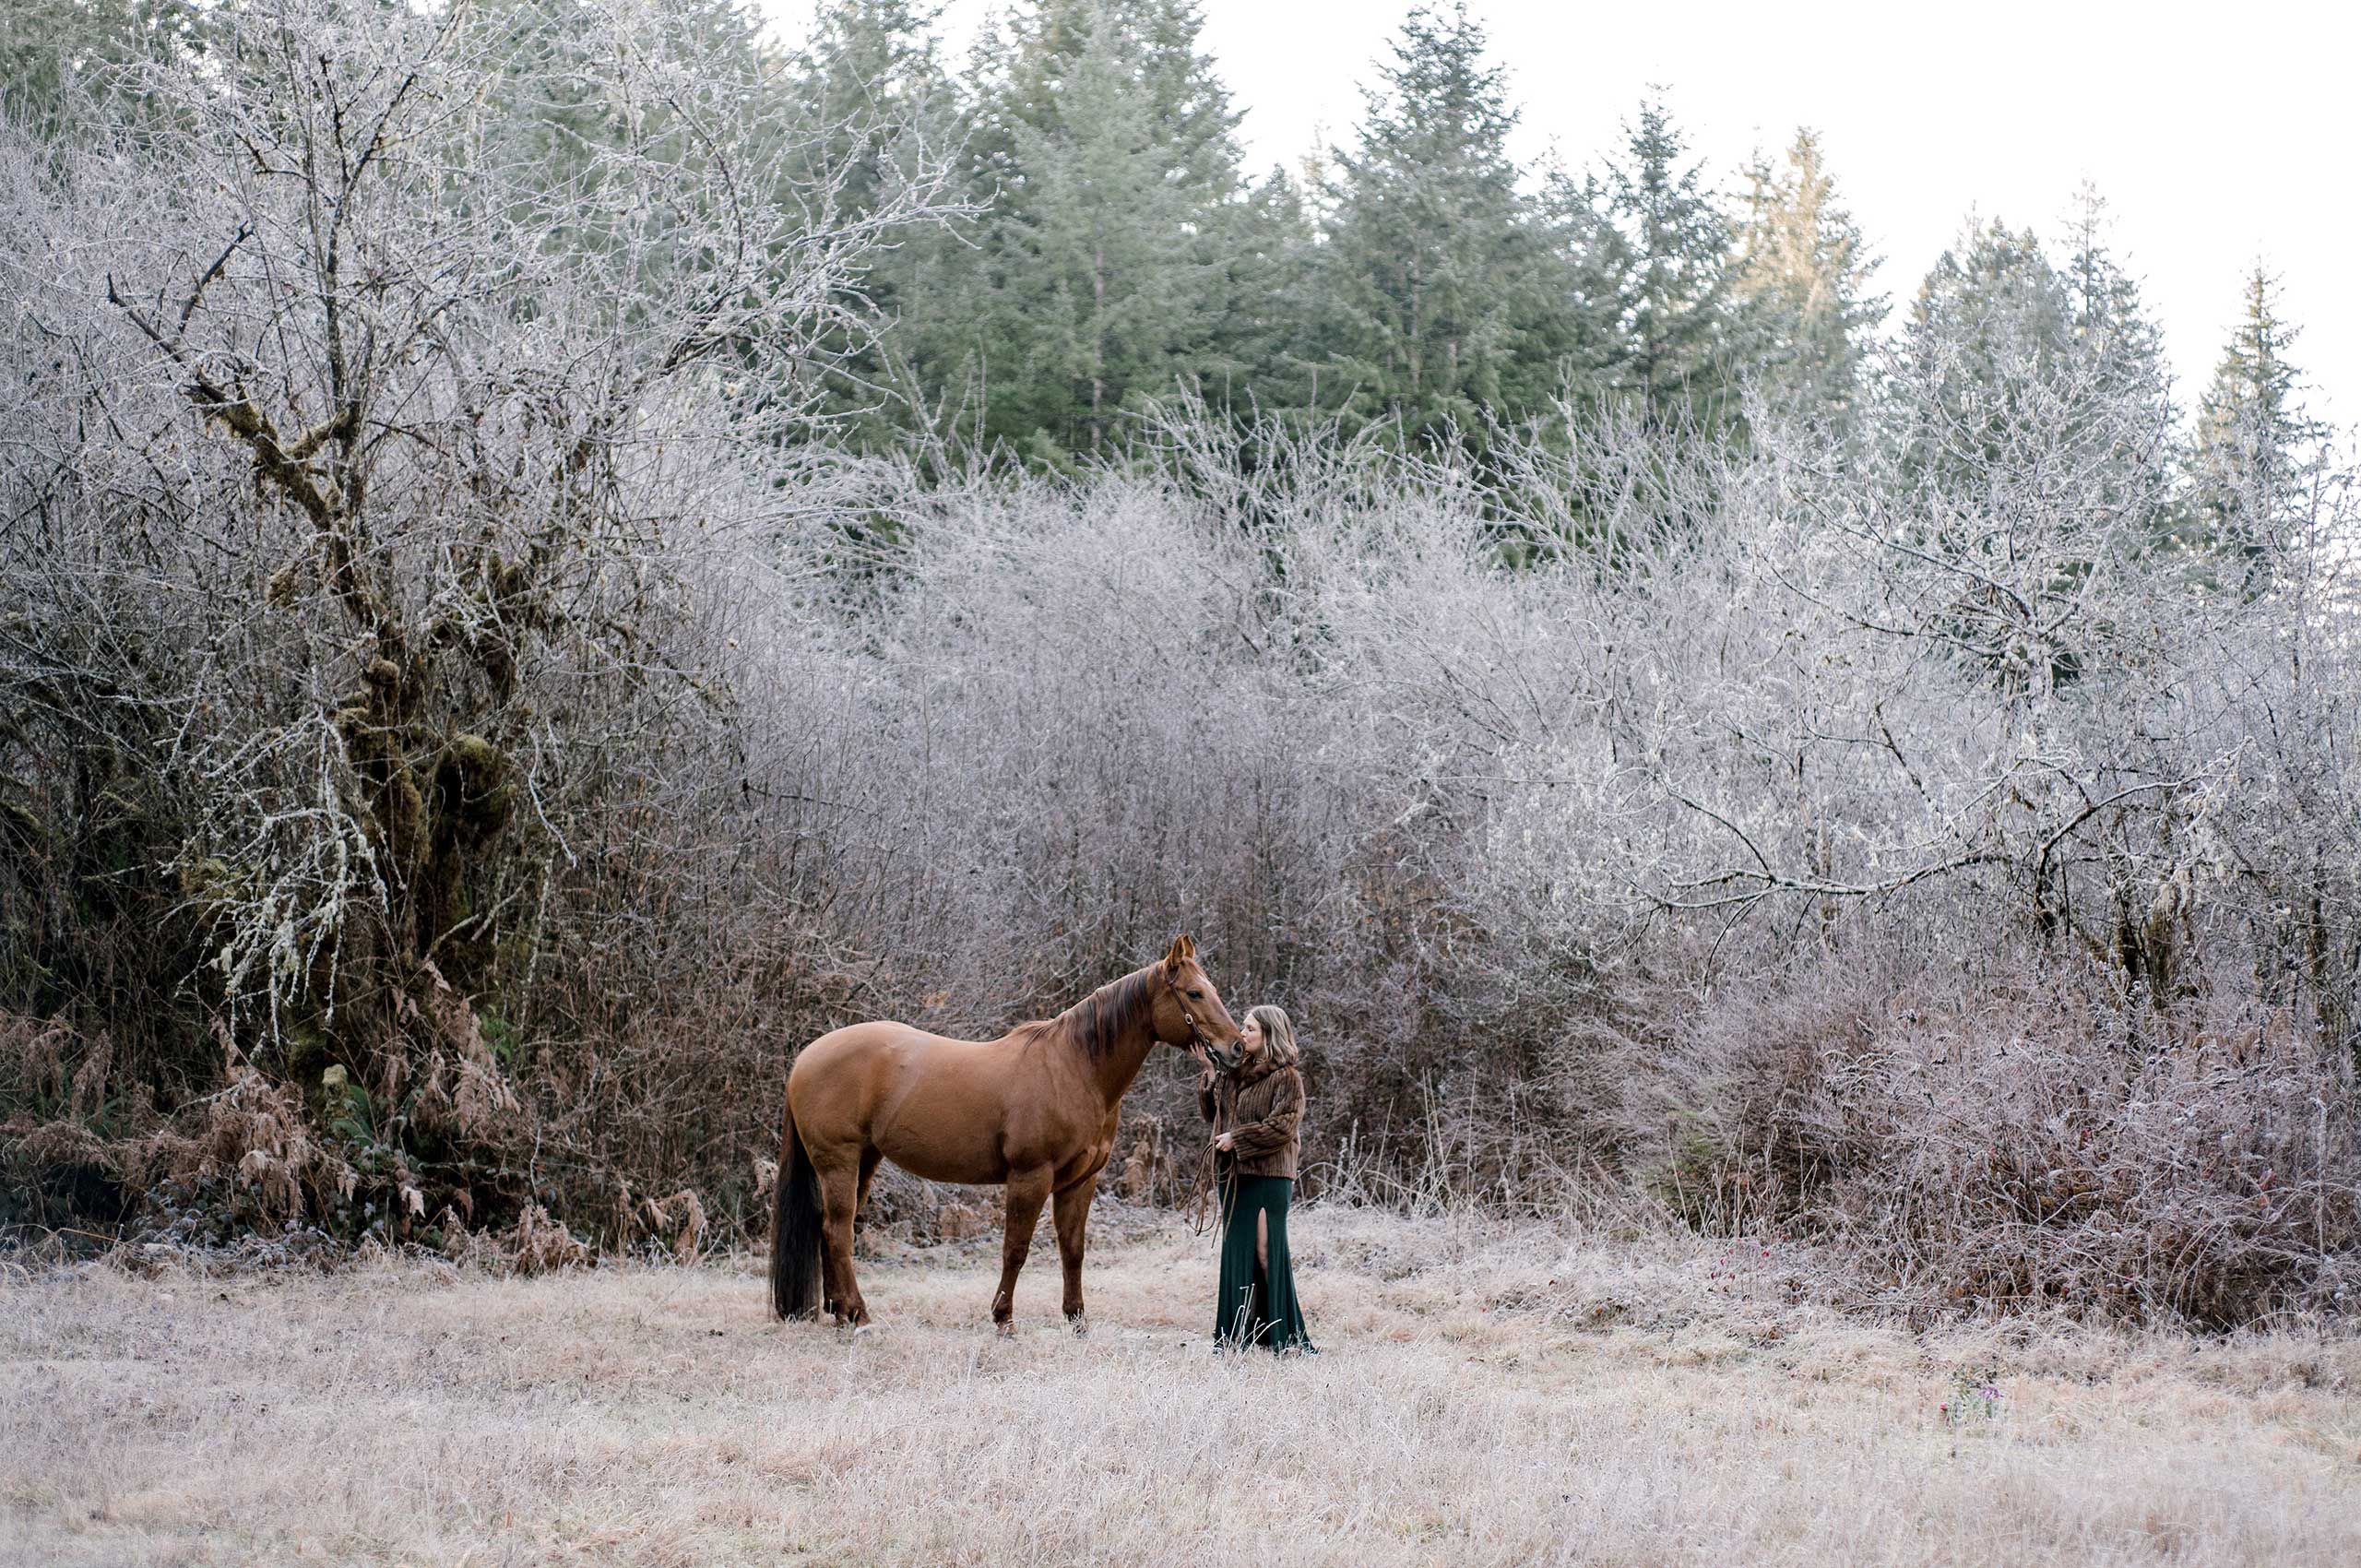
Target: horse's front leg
[(1072, 1215), (1027, 1190)]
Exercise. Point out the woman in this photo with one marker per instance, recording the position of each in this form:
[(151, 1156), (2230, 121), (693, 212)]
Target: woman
[(1256, 1110)]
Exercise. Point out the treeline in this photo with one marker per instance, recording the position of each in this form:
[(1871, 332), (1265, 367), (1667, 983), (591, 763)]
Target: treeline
[(1415, 278), (1108, 251), (551, 556)]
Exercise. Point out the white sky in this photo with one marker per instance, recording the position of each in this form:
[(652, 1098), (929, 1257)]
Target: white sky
[(2219, 134)]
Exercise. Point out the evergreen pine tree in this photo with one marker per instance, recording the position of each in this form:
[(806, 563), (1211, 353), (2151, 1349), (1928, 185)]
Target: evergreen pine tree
[(869, 75), (2106, 316), (2029, 411), (1266, 355), (1594, 265), (1801, 292), (1108, 143), (1988, 325), (878, 107), (2003, 347), (2123, 385), (2252, 433), (1674, 359), (1437, 276)]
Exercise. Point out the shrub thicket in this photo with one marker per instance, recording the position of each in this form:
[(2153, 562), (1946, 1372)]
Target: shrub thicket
[(454, 748)]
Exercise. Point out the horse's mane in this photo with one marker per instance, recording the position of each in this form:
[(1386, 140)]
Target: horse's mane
[(1093, 1024)]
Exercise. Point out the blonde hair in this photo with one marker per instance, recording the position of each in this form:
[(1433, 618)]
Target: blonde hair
[(1278, 1035)]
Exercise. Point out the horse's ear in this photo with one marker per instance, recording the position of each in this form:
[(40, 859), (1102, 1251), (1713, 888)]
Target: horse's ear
[(1180, 952)]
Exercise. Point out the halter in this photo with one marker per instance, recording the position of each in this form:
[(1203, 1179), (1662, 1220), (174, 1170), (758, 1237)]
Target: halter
[(1198, 1208), (1181, 1000), (1197, 1035)]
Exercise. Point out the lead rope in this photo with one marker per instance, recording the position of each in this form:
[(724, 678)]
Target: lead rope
[(1201, 1214), (1202, 1218)]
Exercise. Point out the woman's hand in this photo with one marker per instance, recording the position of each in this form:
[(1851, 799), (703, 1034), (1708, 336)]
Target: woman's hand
[(1222, 1143)]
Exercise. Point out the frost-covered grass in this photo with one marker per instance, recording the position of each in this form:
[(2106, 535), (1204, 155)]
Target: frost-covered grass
[(1488, 1394)]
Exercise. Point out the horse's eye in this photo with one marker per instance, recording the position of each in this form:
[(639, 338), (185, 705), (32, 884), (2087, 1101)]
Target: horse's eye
[(1196, 996)]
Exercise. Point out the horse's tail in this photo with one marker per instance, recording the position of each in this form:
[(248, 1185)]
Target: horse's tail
[(795, 1226)]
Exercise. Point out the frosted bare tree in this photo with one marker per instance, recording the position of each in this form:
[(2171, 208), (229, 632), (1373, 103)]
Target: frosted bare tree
[(388, 400)]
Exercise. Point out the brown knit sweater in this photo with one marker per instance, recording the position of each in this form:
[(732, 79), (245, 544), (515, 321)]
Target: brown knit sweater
[(1262, 1109)]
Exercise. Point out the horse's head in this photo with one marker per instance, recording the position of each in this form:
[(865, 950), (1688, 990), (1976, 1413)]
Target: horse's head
[(1187, 1009)]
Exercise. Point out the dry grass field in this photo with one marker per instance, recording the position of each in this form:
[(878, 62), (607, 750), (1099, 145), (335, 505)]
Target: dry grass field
[(1488, 1394)]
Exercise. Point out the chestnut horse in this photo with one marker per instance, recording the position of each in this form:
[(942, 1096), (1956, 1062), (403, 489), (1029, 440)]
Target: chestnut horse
[(1034, 1111)]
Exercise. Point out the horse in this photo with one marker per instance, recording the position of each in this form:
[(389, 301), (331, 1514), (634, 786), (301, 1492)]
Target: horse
[(1034, 1111)]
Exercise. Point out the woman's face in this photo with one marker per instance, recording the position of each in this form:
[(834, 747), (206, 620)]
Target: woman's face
[(1249, 1039)]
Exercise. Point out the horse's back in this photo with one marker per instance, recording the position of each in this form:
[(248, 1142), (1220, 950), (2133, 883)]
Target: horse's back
[(933, 1105)]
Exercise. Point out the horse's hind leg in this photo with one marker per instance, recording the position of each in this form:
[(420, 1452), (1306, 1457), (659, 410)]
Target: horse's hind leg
[(840, 1195), (869, 1158), (1027, 1190)]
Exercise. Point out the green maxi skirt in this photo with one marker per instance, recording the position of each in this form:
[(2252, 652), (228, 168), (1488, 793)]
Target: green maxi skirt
[(1251, 1309)]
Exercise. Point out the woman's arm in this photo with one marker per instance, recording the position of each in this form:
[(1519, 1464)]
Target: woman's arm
[(1206, 1101), (1278, 1129)]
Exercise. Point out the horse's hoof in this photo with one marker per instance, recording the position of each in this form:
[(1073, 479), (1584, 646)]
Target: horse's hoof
[(1005, 1330), (1080, 1325)]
